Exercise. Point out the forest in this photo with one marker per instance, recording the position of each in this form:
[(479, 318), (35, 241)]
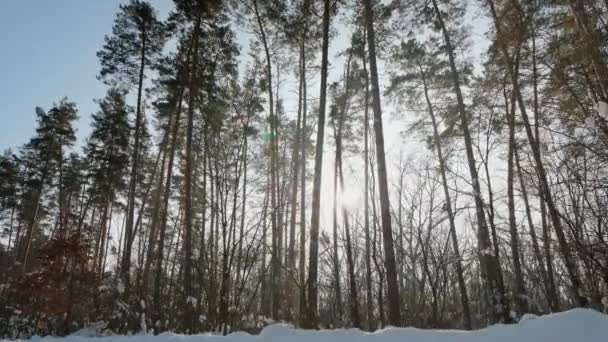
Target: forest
[(325, 163)]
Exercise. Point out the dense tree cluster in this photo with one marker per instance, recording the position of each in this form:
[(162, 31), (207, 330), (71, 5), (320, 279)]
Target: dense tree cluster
[(196, 203)]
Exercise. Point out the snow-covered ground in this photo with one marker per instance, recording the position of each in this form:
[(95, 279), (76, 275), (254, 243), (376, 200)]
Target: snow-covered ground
[(578, 325)]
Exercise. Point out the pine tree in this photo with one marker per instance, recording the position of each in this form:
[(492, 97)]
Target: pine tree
[(137, 40), (509, 59), (107, 153), (312, 319), (421, 67), (387, 232), (45, 156), (9, 198)]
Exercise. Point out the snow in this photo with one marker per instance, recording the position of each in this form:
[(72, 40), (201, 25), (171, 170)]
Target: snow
[(120, 287), (590, 122), (93, 330), (487, 251), (191, 300), (574, 325), (528, 317), (602, 109)]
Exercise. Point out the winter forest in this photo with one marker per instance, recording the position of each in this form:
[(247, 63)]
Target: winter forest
[(325, 163)]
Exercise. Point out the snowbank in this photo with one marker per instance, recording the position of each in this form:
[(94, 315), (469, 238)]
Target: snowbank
[(571, 326)]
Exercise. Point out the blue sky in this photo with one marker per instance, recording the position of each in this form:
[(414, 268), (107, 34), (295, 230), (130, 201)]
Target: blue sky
[(48, 52)]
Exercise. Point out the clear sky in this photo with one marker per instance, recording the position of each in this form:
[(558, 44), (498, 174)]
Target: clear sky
[(48, 52)]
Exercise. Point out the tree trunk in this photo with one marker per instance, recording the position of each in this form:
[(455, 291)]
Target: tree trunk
[(102, 238), (264, 302), (489, 264), (549, 286), (312, 317), (243, 213), (394, 311), (336, 256), (291, 254), (352, 281), (569, 263), (341, 119), (368, 262), (30, 228), (188, 320), (152, 237), (164, 212), (464, 297), (125, 265), (304, 139), (521, 302), (273, 164), (552, 296)]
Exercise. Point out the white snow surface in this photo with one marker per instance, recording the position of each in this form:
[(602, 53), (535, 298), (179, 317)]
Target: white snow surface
[(570, 326)]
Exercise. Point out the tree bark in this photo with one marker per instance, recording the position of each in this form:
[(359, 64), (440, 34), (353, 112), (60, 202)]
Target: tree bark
[(521, 302), (549, 279), (464, 297), (273, 164), (302, 257), (394, 311), (489, 264), (569, 263), (188, 296), (291, 254), (125, 265), (336, 255), (311, 316), (164, 212), (368, 262), (353, 296)]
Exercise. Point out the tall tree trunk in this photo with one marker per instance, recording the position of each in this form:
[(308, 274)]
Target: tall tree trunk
[(489, 264), (569, 262), (376, 245), (10, 236), (336, 256), (29, 235), (61, 219), (368, 262), (550, 290), (273, 161), (394, 303), (304, 139), (521, 302), (164, 212), (311, 317), (277, 277), (491, 213), (125, 265), (464, 297), (213, 199), (352, 281), (188, 296), (202, 256), (547, 239), (291, 254), (239, 265), (552, 296), (353, 297), (102, 237), (264, 302), (152, 237)]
